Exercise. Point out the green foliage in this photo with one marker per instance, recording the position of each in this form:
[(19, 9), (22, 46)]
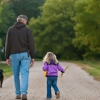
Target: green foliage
[(0, 42), (9, 10), (27, 7), (69, 28), (6, 17), (87, 26), (54, 29)]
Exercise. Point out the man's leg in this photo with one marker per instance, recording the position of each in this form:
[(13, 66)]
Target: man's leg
[(24, 69), (16, 69)]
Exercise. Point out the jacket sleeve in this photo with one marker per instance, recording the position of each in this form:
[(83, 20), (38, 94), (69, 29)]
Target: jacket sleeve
[(60, 68), (45, 67), (31, 44), (7, 45)]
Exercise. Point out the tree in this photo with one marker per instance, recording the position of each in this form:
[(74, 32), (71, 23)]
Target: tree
[(87, 26), (54, 29), (10, 9), (6, 16), (27, 7)]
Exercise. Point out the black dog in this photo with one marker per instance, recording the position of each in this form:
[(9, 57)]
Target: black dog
[(1, 77)]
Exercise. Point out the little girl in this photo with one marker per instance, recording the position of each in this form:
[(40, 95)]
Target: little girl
[(51, 66)]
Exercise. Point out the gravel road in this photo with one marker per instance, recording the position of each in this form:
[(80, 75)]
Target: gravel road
[(75, 84)]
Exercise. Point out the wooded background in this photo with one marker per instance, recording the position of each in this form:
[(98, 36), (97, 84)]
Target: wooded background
[(69, 28)]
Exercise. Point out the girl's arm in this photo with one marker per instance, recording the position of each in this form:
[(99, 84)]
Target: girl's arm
[(45, 67), (60, 68)]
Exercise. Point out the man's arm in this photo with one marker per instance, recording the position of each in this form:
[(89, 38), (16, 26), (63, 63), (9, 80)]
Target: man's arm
[(7, 48), (31, 46)]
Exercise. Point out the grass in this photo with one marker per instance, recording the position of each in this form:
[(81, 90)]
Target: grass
[(7, 70), (92, 67)]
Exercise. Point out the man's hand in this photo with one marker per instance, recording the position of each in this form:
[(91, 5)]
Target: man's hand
[(32, 62), (8, 62)]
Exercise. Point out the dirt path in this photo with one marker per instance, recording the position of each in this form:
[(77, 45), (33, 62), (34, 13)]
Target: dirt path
[(75, 84)]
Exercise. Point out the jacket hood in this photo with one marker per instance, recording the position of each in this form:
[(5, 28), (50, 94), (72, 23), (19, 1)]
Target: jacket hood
[(52, 61), (19, 25)]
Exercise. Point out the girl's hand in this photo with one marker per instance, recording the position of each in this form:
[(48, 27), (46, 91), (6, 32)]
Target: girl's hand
[(64, 70)]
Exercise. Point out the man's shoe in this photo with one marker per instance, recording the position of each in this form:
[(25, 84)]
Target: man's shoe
[(57, 95), (24, 97), (18, 97)]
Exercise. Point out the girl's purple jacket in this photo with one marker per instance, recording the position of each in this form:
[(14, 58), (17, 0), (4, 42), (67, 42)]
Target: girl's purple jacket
[(52, 69)]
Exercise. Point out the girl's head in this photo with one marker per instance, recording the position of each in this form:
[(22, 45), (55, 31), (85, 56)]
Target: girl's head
[(49, 56)]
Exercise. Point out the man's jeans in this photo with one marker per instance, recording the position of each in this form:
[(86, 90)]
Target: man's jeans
[(20, 63), (51, 81)]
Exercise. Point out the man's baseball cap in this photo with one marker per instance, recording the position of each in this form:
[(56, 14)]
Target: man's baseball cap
[(24, 17)]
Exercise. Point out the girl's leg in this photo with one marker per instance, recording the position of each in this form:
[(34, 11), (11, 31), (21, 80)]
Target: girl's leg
[(49, 84), (54, 84)]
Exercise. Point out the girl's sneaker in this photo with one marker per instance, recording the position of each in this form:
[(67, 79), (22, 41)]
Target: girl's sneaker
[(57, 95)]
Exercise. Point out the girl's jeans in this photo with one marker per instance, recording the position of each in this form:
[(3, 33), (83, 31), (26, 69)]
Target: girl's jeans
[(51, 81), (20, 63)]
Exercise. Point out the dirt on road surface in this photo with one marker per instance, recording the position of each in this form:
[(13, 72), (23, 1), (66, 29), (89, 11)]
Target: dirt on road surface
[(75, 84)]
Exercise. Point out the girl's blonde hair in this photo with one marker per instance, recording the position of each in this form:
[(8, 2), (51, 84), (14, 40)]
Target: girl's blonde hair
[(48, 56)]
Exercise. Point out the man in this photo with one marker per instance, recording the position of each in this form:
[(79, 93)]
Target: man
[(19, 51)]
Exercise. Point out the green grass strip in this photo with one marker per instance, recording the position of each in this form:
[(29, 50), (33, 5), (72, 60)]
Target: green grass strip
[(7, 70)]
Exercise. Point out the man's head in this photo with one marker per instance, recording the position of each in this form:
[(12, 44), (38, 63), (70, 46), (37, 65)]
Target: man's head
[(23, 19)]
